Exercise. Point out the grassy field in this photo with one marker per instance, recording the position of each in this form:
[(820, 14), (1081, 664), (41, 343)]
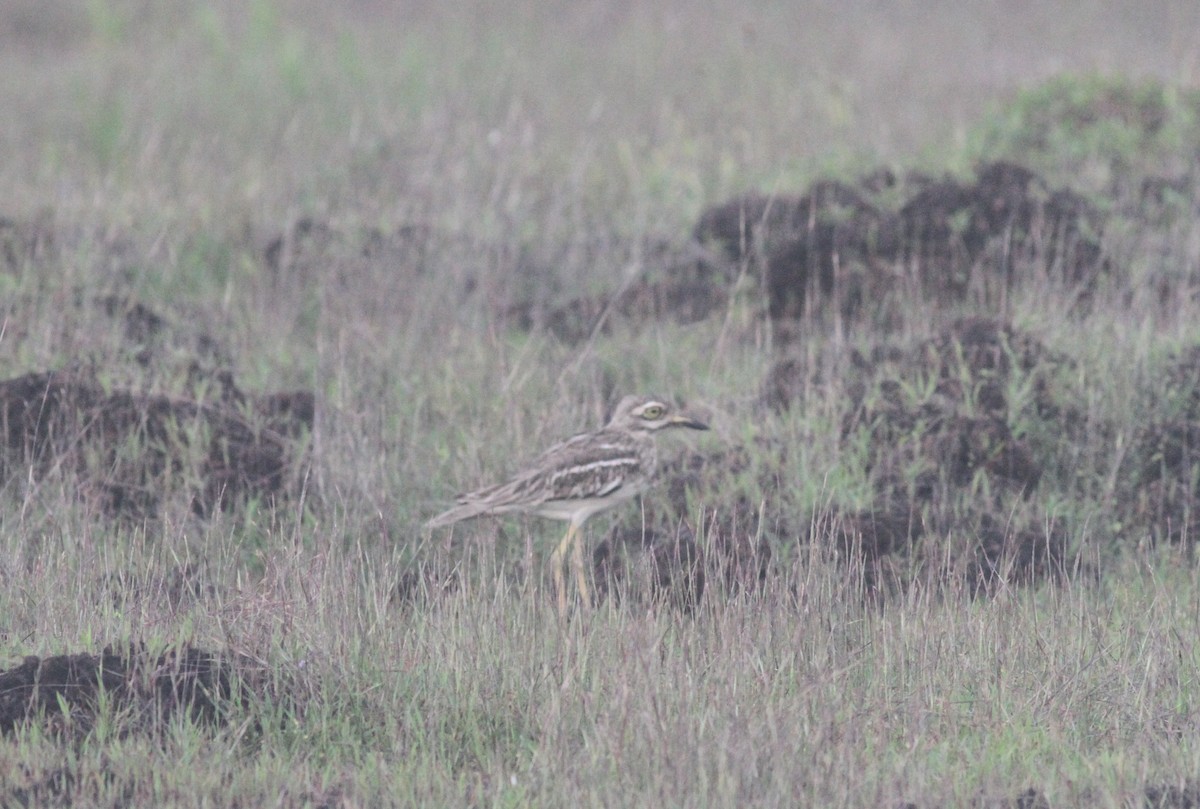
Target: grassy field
[(406, 230)]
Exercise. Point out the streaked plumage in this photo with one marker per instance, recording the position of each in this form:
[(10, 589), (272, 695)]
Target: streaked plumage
[(581, 476)]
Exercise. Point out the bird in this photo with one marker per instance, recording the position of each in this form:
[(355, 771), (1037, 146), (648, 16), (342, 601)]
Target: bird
[(580, 477)]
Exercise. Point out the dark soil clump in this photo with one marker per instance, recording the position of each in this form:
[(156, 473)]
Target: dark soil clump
[(639, 563), (1185, 795), (840, 250), (940, 415), (953, 436), (875, 540), (972, 547), (1006, 227), (1005, 554), (155, 341), (67, 690), (731, 524), (130, 450), (835, 248), (698, 532), (807, 249), (1163, 466)]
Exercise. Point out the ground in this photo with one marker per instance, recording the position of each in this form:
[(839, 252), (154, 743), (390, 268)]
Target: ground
[(278, 280)]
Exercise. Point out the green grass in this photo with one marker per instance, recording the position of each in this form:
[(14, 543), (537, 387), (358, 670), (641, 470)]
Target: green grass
[(155, 151)]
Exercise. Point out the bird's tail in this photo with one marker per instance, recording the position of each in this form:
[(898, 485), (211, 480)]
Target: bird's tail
[(463, 511)]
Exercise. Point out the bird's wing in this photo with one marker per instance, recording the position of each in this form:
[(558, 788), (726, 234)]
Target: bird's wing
[(585, 466), (589, 465)]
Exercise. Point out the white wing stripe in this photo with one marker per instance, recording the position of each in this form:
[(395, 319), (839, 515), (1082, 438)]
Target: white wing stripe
[(582, 469)]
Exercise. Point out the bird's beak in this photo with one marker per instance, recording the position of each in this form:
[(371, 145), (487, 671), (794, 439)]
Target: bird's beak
[(687, 421)]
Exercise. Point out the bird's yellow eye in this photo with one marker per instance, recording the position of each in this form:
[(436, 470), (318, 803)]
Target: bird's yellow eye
[(653, 412)]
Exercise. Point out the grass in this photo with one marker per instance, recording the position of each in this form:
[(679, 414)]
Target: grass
[(796, 694), (156, 150)]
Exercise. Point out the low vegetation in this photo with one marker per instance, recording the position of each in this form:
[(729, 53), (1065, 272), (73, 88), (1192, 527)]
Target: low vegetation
[(275, 287)]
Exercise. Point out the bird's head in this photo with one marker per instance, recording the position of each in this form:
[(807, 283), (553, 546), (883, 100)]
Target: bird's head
[(650, 414)]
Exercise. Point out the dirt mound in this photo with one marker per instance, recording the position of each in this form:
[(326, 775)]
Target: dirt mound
[(1006, 227), (127, 336), (156, 341), (1162, 469), (666, 563), (65, 691), (1168, 473), (740, 227), (841, 248), (835, 247), (804, 248), (952, 435), (699, 531), (754, 224), (131, 451), (932, 427), (1184, 795), (703, 487), (638, 563), (892, 548), (939, 416), (993, 552), (874, 541)]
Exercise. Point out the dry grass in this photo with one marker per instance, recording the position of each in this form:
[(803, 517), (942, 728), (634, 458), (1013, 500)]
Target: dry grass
[(155, 151)]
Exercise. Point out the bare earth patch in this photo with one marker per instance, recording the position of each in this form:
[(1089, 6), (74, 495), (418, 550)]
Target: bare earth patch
[(130, 450)]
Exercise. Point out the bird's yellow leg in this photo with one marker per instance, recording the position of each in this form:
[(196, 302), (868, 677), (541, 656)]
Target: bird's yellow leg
[(556, 561), (580, 573)]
